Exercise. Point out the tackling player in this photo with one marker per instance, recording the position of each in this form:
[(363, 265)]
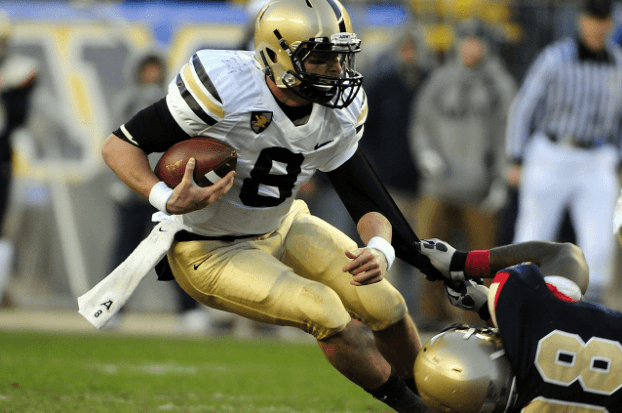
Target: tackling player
[(248, 246), (565, 353)]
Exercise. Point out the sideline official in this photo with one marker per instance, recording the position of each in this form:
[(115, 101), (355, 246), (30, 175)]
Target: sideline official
[(563, 136)]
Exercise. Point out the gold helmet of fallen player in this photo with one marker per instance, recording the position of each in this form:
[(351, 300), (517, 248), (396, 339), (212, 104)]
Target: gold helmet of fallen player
[(463, 370), (288, 32)]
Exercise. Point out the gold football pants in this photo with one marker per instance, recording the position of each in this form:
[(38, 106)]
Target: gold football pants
[(292, 277)]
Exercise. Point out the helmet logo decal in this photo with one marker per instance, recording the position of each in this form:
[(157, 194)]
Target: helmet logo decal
[(260, 121)]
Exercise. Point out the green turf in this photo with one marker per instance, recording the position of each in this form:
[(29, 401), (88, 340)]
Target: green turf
[(112, 373)]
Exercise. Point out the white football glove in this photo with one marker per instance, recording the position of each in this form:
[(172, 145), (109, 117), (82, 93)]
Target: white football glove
[(440, 254), (471, 297)]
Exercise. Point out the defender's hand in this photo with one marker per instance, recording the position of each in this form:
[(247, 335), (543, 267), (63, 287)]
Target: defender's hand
[(188, 196), (368, 266), (470, 296), (440, 254)]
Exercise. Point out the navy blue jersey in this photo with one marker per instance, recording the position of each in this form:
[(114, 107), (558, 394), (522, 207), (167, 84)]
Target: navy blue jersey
[(567, 356)]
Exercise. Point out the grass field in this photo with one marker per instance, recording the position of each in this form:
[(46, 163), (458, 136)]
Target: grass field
[(54, 372)]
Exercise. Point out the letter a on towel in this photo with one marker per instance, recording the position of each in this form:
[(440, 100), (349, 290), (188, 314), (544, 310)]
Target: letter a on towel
[(101, 302)]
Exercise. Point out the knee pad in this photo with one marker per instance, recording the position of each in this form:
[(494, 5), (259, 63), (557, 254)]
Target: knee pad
[(316, 246), (323, 310), (382, 305)]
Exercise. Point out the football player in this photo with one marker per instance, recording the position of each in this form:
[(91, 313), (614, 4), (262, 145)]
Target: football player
[(293, 106), (565, 353)]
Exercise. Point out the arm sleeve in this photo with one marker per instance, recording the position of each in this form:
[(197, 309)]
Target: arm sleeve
[(361, 191), (153, 129)]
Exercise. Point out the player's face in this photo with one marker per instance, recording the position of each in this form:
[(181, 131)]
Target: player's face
[(595, 31), (473, 52), (328, 64), (151, 73)]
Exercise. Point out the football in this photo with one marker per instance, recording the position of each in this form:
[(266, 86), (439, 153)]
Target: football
[(214, 159)]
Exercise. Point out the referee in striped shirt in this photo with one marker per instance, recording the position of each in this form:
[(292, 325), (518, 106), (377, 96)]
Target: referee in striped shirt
[(564, 134)]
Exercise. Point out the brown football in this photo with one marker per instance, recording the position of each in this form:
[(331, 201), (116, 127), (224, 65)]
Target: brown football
[(214, 159)]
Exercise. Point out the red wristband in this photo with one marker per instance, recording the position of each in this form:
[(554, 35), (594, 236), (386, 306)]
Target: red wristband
[(478, 263)]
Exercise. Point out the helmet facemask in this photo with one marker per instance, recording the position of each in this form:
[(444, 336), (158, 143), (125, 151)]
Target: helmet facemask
[(336, 90), (289, 34)]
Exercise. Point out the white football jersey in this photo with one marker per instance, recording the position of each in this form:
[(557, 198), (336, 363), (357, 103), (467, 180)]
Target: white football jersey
[(224, 95)]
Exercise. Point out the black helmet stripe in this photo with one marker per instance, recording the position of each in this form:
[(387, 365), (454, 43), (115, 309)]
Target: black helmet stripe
[(339, 15)]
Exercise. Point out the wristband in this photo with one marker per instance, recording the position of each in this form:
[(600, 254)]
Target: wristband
[(478, 264), (457, 264), (159, 196), (384, 247)]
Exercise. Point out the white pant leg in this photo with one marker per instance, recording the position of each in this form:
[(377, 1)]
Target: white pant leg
[(592, 213), (544, 192)]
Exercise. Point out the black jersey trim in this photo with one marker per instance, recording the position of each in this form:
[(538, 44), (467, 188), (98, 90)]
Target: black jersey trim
[(204, 77), (153, 128), (192, 103)]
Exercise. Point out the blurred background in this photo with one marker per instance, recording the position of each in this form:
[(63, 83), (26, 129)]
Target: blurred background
[(62, 218)]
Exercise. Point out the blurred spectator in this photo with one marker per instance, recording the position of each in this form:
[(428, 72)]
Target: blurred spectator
[(564, 139), (18, 76), (391, 88), (457, 139), (146, 83)]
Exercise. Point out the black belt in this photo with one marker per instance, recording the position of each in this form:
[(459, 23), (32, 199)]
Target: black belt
[(189, 236), (573, 142), (163, 269)]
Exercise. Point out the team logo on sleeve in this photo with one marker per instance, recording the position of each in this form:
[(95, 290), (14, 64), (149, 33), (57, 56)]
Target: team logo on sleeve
[(260, 121)]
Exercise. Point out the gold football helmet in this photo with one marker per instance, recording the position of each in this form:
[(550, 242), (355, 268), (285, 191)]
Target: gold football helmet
[(288, 32), (463, 370)]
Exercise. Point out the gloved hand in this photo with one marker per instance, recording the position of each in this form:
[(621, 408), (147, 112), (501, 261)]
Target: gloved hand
[(440, 254), (470, 296)]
